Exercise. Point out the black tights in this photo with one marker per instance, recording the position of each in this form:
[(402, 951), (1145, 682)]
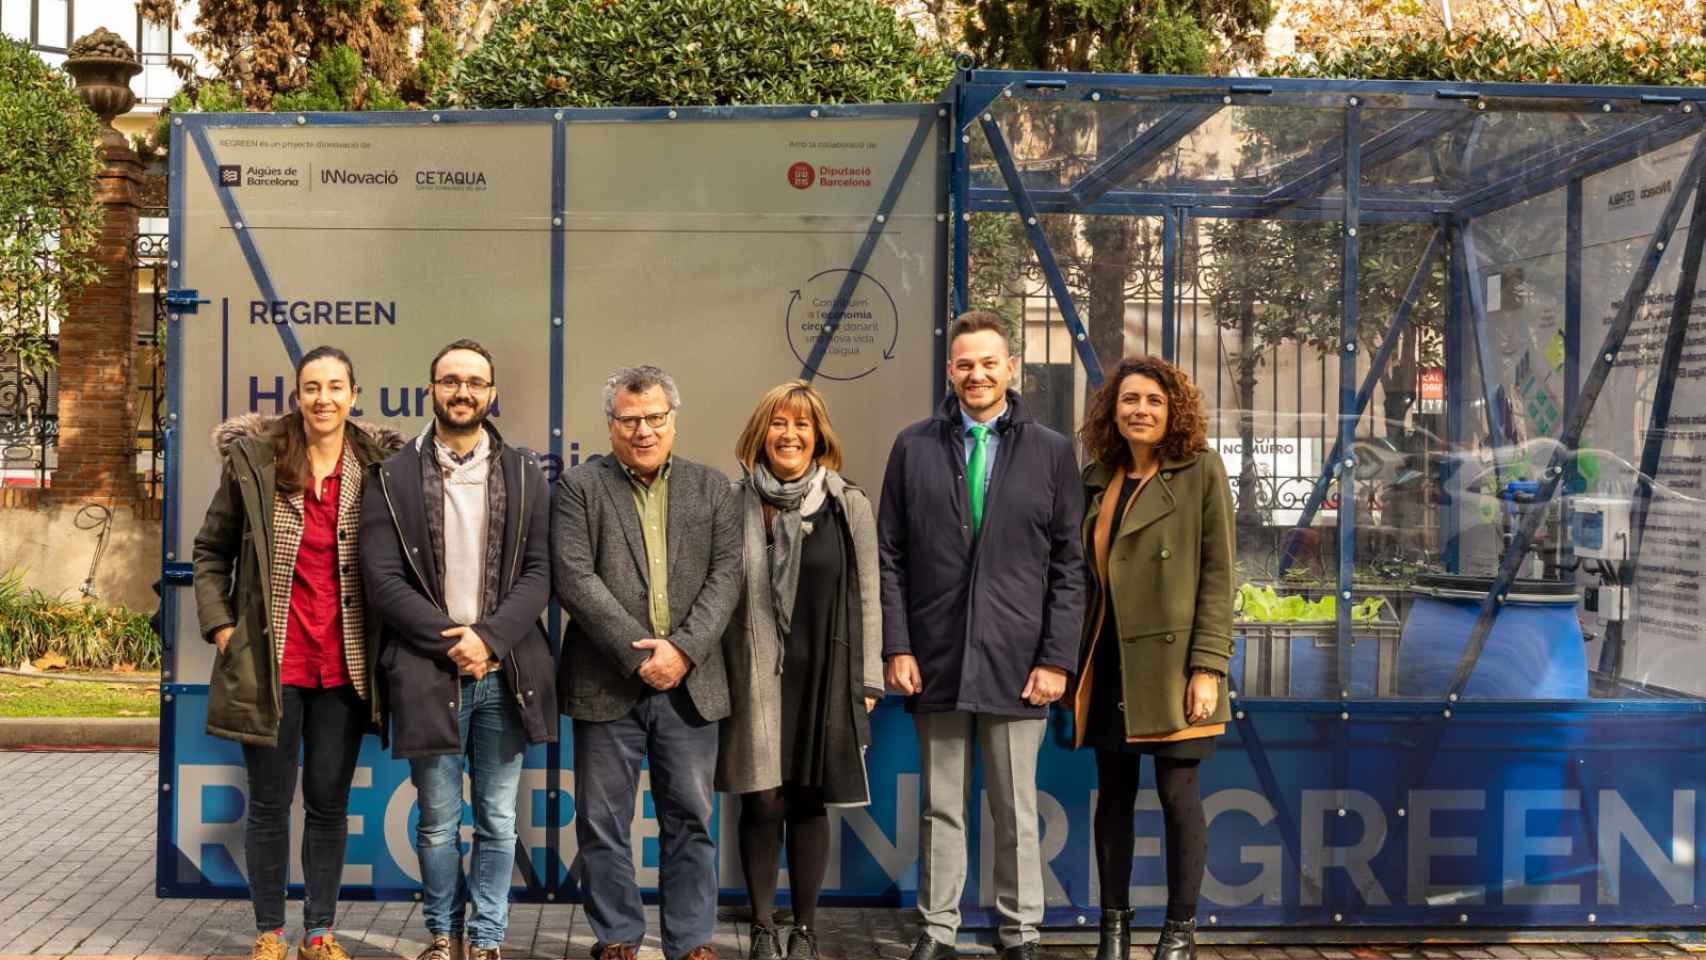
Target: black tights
[(762, 815), (1117, 776)]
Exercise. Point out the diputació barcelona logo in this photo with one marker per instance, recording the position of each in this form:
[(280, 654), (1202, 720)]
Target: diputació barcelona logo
[(801, 176)]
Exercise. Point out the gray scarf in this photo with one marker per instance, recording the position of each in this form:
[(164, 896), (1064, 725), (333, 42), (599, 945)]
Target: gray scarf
[(792, 500)]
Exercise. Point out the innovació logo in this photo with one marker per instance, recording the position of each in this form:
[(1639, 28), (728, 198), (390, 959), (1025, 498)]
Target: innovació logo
[(359, 177)]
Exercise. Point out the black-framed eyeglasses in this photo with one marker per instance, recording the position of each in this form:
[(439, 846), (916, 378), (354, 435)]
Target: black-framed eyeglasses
[(452, 385), (654, 420)]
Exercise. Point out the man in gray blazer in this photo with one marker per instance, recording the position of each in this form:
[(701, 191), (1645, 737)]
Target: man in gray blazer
[(647, 551)]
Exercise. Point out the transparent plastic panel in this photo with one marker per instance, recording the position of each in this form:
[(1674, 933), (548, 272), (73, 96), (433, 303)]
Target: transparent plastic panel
[(1399, 449), (1596, 610), (1462, 153), (1645, 587), (1265, 294), (1466, 237), (1163, 147), (1280, 153), (1055, 142)]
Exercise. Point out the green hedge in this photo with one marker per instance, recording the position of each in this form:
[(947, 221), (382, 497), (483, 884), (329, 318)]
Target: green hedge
[(595, 53)]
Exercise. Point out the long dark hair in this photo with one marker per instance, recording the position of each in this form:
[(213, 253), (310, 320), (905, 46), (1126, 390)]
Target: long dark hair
[(1187, 427), (290, 435)]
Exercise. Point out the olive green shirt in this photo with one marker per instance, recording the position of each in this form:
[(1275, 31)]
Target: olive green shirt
[(652, 501)]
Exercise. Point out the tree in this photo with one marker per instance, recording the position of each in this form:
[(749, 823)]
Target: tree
[(1147, 36), (1325, 27), (1273, 282), (50, 219), (587, 53), (337, 82), (1500, 58), (261, 48)]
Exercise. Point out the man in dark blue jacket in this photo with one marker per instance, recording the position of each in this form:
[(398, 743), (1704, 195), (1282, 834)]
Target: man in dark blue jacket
[(983, 600), (455, 551)]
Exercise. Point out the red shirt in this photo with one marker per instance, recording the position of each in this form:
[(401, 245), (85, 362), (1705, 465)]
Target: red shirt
[(314, 639)]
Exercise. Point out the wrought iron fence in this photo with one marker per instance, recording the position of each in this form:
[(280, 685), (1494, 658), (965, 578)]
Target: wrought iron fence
[(29, 418), (29, 386), (1286, 410)]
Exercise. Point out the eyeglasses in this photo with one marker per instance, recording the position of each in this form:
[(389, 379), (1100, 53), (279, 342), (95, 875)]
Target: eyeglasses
[(654, 420), (453, 385)]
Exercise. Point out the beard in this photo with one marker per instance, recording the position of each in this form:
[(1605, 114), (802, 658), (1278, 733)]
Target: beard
[(445, 415)]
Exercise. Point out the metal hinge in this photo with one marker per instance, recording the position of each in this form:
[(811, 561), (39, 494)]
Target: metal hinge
[(185, 301)]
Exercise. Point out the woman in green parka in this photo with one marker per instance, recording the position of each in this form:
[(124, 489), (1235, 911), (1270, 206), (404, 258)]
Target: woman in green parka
[(1158, 634), (278, 592)]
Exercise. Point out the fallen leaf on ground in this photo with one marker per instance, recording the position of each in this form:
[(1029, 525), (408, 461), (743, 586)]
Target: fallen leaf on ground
[(129, 713), (50, 661), (37, 684), (124, 668), (27, 667)]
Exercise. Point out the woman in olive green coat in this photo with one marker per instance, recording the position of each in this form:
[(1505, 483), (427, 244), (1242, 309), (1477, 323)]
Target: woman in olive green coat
[(1158, 534), (279, 594)]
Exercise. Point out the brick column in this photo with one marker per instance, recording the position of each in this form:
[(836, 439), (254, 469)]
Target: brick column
[(97, 383)]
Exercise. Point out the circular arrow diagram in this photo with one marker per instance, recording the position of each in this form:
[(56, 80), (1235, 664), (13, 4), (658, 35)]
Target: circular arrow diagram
[(826, 334)]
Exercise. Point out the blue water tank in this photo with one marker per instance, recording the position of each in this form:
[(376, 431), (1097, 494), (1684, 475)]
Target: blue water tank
[(1534, 651)]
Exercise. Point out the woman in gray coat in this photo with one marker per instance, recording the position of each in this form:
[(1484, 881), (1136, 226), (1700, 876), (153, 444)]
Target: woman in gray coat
[(804, 656)]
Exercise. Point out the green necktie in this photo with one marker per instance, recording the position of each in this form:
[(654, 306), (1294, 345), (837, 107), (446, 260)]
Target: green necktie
[(976, 474)]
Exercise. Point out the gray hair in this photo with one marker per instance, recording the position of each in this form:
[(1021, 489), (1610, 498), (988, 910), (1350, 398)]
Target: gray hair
[(638, 380)]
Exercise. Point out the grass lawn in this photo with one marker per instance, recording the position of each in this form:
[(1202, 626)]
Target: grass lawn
[(45, 697)]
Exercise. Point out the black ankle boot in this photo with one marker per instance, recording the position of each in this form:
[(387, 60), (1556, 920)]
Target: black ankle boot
[(1178, 940), (1116, 934)]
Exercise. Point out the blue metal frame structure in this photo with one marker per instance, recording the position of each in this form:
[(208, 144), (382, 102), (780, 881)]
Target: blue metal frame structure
[(559, 298), (1182, 105), (175, 571), (1662, 118)]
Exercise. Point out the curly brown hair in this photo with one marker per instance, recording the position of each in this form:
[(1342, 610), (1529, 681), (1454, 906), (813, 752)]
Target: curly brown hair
[(1187, 426)]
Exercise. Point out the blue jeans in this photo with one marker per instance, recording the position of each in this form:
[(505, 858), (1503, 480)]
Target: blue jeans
[(683, 751), (492, 745)]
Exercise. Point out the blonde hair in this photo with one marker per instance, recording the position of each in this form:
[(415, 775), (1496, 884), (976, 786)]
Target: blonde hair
[(793, 395)]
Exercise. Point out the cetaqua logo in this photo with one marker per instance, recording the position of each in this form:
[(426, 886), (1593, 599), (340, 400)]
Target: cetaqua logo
[(450, 180), (801, 176), (359, 177)]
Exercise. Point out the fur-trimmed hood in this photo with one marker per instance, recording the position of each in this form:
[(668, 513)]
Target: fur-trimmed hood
[(254, 426)]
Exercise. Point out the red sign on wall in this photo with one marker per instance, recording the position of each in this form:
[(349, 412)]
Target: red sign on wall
[(1431, 387)]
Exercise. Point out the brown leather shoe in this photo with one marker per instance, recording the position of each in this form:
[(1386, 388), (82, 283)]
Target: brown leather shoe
[(617, 951), (704, 952)]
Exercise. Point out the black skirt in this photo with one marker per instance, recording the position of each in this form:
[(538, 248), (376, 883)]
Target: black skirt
[(820, 747)]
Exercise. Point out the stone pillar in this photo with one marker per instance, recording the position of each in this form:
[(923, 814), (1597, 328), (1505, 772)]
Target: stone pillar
[(97, 383)]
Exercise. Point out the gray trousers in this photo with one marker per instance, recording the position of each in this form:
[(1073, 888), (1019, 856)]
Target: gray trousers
[(1009, 747)]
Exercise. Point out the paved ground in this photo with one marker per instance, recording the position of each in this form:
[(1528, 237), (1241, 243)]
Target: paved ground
[(77, 878)]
